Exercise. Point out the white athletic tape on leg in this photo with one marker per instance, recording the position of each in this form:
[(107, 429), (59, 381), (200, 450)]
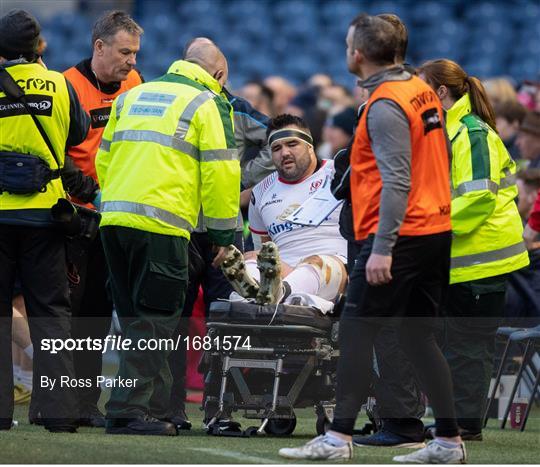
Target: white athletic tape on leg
[(330, 276)]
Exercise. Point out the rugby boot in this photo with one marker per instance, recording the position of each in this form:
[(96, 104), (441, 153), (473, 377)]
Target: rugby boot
[(234, 269), (271, 287)]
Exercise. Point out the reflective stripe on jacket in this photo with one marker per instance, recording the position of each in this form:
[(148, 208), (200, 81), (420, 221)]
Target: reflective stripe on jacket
[(48, 96), (485, 221), (168, 149)]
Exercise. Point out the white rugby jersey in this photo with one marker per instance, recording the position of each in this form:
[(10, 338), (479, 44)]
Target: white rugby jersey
[(273, 199)]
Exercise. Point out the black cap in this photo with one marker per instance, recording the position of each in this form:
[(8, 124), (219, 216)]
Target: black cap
[(346, 120), (19, 34), (305, 100)]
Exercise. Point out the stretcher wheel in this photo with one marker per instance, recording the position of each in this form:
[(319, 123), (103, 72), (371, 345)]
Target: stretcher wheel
[(323, 424), (280, 426)]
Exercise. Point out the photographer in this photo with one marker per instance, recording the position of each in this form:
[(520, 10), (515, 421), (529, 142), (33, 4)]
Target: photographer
[(39, 116), (97, 80)]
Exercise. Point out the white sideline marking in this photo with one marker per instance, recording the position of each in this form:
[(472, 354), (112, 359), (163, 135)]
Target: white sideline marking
[(236, 455)]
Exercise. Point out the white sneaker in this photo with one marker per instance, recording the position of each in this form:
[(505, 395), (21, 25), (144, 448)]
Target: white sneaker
[(434, 453), (269, 264), (318, 449), (234, 269)]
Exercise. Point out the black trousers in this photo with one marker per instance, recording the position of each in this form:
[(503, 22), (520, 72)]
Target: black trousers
[(215, 286), (149, 275), (474, 311), (397, 393), (37, 256), (397, 390), (91, 309), (410, 302)]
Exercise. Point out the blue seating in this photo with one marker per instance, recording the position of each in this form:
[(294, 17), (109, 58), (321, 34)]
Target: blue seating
[(487, 37), (431, 13), (484, 13)]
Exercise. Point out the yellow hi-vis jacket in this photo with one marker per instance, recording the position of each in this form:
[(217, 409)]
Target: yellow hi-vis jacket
[(48, 97), (486, 224), (168, 147)]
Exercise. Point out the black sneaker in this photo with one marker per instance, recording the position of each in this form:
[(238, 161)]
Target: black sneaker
[(60, 425), (143, 425), (61, 428), (35, 419), (6, 423), (385, 438), (466, 435), (91, 416), (54, 425), (180, 420)]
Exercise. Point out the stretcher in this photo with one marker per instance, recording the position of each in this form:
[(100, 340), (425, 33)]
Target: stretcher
[(285, 359)]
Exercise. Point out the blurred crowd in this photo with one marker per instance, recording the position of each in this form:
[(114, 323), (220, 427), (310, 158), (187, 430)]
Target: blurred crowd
[(329, 108)]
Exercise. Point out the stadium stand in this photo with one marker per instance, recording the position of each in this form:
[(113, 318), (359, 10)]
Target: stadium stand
[(298, 38)]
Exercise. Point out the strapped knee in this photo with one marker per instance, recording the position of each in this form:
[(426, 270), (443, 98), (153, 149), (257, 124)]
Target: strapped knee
[(332, 274)]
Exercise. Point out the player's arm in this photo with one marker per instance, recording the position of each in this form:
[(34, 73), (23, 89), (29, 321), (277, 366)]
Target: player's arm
[(256, 222)]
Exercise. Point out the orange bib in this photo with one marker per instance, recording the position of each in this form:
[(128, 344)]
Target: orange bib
[(428, 207), (98, 105)]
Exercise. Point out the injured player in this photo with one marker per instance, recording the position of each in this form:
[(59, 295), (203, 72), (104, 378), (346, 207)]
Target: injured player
[(295, 259)]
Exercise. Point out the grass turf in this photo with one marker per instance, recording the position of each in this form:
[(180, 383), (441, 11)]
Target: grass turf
[(28, 444)]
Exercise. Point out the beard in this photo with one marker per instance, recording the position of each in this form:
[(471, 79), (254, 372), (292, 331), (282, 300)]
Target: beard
[(292, 170)]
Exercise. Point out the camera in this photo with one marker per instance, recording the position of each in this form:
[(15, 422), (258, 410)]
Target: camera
[(75, 220)]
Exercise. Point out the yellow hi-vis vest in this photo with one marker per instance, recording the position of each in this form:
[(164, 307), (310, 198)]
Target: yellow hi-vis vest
[(168, 148), (487, 230), (48, 95)]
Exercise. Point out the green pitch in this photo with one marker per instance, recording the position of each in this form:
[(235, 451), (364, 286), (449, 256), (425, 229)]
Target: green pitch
[(28, 444)]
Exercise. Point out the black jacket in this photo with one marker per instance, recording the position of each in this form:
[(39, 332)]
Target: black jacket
[(341, 186)]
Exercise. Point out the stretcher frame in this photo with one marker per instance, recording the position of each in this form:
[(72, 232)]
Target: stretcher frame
[(275, 409)]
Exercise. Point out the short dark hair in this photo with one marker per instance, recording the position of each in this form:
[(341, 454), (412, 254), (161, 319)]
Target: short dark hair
[(285, 120), (401, 30), (111, 22), (265, 90), (376, 38)]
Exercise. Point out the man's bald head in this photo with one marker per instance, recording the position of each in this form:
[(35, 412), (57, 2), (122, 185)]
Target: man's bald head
[(207, 55)]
